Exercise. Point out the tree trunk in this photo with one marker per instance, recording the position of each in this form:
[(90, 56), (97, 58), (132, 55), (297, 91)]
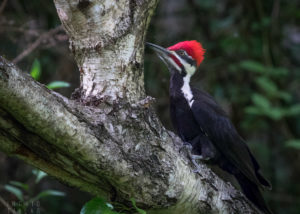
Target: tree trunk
[(107, 140)]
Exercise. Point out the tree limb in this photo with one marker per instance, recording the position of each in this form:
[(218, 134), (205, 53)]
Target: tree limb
[(108, 141), (9, 208), (36, 43)]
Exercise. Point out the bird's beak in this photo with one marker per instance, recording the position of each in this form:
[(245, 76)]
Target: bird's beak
[(165, 55)]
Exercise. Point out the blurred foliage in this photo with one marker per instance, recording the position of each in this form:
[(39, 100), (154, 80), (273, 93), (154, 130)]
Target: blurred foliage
[(21, 24), (36, 72), (22, 191), (140, 211), (58, 84), (251, 67), (99, 205)]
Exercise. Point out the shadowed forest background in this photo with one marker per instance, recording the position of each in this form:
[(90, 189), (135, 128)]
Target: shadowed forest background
[(251, 67)]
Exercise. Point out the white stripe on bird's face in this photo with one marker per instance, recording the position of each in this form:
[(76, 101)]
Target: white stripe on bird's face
[(190, 70)]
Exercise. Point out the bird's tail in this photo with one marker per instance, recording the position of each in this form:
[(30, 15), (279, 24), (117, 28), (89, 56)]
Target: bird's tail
[(252, 192)]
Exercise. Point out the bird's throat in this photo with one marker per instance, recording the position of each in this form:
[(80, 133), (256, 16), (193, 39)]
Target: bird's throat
[(180, 87), (186, 90)]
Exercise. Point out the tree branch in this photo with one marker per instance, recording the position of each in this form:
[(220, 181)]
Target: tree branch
[(9, 208), (37, 42), (108, 141)]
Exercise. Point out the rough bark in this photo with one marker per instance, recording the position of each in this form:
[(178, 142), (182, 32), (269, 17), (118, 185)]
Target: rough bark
[(108, 140)]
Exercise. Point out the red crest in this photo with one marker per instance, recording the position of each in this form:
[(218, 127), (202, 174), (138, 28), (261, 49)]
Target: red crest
[(193, 48)]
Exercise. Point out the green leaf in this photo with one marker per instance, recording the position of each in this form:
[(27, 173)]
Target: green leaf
[(14, 190), (275, 113), (278, 72), (47, 193), (110, 206), (58, 84), (35, 71), (265, 21), (253, 66), (137, 209), (285, 96), (97, 206), (294, 110), (261, 101), (257, 67), (294, 143), (267, 85), (39, 175), (271, 88), (19, 184), (253, 110)]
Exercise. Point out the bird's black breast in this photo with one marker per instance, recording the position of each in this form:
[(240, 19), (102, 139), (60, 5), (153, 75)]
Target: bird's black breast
[(182, 119), (181, 114)]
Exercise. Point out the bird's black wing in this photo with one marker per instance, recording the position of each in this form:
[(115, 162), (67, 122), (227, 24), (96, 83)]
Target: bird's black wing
[(213, 120)]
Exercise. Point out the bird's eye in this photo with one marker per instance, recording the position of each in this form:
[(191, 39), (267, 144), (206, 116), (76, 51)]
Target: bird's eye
[(181, 53)]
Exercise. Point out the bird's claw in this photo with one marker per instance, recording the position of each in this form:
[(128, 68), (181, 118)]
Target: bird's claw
[(186, 146), (197, 169), (192, 157), (200, 157)]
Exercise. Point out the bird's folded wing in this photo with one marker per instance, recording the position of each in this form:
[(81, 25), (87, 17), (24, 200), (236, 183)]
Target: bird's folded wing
[(212, 119)]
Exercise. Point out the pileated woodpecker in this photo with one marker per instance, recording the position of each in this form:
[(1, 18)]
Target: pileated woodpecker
[(204, 126)]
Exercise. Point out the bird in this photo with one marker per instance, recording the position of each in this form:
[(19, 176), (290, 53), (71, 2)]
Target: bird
[(203, 125)]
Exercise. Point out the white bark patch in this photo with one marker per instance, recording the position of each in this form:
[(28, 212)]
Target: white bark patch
[(109, 70), (62, 14)]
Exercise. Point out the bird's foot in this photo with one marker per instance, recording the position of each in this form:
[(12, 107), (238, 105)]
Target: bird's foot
[(194, 159), (196, 165), (187, 146), (200, 157)]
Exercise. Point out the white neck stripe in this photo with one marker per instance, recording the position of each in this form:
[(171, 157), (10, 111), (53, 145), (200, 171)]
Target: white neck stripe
[(186, 90)]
